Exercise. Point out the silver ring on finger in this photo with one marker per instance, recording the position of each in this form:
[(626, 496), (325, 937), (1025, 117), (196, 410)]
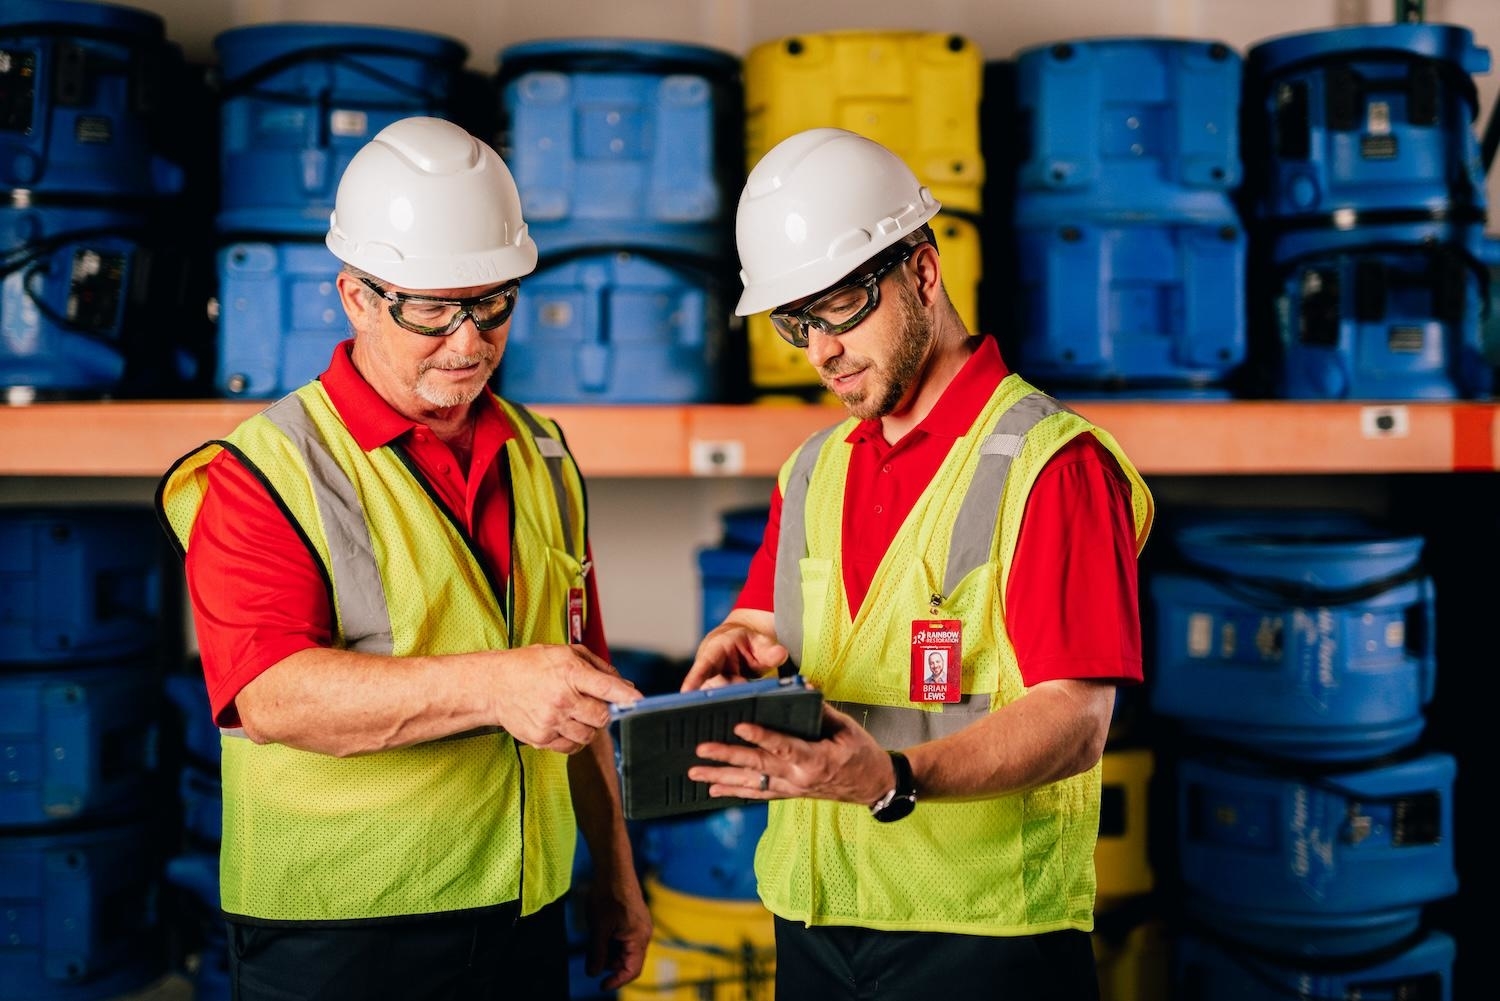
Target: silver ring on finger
[(765, 781)]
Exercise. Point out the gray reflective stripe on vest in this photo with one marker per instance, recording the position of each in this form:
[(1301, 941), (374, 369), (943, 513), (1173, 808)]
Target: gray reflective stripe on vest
[(895, 727), (979, 516), (792, 546), (553, 452), (362, 610)]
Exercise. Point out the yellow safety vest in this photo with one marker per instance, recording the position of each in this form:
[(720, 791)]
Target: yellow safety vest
[(472, 821), (1010, 865)]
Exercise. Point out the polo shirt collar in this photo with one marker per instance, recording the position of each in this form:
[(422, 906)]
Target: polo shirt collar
[(371, 421), (955, 411)]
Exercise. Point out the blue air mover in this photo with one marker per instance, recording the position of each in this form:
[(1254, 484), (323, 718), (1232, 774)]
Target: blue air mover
[(652, 672), (722, 569), (78, 914), (79, 83), (1490, 328), (279, 316), (721, 575), (200, 737), (196, 876), (1130, 127), (299, 100), (66, 274), (707, 854), (1150, 306), (745, 527), (1324, 861), (621, 142), (1312, 638), (616, 328), (78, 743), (1367, 123), (202, 805), (78, 584), (1397, 316), (1421, 970)]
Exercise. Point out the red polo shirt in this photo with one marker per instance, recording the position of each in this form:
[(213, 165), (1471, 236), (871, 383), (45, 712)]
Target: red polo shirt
[(1071, 604), (256, 592)]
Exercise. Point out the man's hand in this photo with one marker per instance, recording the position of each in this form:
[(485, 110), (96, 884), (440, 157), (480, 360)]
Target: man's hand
[(619, 928), (557, 697), (847, 765), (741, 648)]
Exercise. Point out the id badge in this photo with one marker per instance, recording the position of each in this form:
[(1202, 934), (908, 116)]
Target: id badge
[(575, 615), (936, 660)]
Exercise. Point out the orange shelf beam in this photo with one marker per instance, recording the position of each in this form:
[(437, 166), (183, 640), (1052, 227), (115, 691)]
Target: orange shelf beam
[(142, 438)]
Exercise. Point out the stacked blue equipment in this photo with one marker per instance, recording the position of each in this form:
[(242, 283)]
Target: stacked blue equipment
[(722, 569), (1491, 331), (1131, 252), (1209, 972), (298, 101), (194, 871), (1296, 651), (1307, 637), (80, 921), (627, 157), (1371, 201), (80, 175), (79, 696), (1316, 861)]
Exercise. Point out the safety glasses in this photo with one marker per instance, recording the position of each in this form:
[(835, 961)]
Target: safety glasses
[(434, 316), (841, 309)]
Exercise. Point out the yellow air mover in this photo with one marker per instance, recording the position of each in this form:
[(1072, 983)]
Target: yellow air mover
[(914, 92), (1134, 962), (1120, 858), (705, 949)]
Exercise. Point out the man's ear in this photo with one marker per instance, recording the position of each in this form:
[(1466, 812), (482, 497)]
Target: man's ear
[(929, 270), (358, 302)]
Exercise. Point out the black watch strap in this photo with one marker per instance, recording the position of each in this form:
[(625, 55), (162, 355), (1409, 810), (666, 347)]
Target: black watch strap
[(902, 798)]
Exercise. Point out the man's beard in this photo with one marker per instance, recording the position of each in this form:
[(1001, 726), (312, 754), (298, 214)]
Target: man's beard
[(887, 385), (455, 396)]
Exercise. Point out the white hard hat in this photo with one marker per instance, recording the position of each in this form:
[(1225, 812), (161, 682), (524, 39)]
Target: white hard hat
[(425, 205), (818, 205)]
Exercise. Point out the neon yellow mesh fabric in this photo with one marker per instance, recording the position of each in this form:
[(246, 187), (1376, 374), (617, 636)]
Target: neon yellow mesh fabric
[(1018, 864), (424, 829)]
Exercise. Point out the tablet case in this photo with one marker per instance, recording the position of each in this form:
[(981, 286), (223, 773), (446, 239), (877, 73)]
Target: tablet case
[(655, 739)]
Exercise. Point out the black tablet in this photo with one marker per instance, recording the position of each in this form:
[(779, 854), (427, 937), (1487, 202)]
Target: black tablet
[(656, 737)]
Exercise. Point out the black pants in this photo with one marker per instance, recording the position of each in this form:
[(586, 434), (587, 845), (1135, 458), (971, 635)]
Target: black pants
[(493, 957), (829, 963)]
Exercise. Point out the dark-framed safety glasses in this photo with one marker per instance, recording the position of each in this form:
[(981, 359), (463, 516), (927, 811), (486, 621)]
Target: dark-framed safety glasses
[(843, 308), (435, 316)]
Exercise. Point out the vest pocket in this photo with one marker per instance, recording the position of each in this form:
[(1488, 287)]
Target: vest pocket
[(816, 573), (564, 572), (974, 601)]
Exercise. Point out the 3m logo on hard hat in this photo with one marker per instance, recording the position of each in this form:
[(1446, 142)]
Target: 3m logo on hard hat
[(478, 272)]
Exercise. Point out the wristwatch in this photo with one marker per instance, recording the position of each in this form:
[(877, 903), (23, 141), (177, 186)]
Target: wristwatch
[(902, 799)]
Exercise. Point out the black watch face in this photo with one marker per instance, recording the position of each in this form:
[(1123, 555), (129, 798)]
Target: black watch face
[(896, 809)]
